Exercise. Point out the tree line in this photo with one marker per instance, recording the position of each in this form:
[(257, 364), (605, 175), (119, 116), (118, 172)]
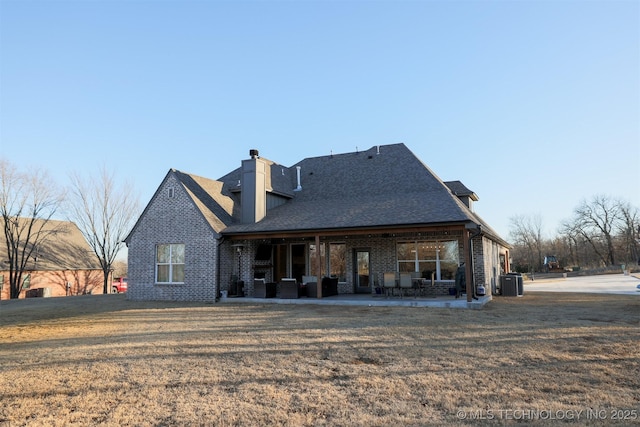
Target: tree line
[(602, 232), (29, 200)]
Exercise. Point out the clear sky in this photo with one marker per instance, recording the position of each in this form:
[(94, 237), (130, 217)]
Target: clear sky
[(534, 105)]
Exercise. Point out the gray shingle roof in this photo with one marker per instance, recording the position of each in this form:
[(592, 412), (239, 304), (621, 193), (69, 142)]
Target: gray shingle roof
[(383, 186), (207, 194)]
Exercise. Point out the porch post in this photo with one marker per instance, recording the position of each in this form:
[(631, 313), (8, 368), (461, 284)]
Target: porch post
[(507, 267), (318, 267), (467, 263)]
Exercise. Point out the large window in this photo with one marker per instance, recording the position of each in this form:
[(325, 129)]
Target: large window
[(337, 260), (170, 263), (427, 257)]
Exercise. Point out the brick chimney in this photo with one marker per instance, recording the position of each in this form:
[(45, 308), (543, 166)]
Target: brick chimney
[(254, 189)]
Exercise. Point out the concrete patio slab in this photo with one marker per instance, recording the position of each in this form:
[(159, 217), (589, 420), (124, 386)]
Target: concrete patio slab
[(370, 301)]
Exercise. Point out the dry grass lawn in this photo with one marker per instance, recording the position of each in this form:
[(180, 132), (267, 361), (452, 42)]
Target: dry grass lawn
[(103, 360)]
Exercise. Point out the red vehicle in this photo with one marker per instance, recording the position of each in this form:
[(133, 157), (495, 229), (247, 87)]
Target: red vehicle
[(119, 285)]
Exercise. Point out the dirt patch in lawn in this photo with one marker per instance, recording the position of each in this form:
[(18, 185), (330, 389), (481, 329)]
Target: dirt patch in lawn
[(103, 360)]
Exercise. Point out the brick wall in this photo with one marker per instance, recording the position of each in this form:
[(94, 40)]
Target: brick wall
[(81, 282), (236, 264), (173, 220), (491, 260)]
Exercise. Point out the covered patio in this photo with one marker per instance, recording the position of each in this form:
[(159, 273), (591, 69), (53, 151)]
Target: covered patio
[(360, 260)]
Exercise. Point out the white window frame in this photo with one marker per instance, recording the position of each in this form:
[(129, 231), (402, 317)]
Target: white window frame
[(416, 260), (170, 263)]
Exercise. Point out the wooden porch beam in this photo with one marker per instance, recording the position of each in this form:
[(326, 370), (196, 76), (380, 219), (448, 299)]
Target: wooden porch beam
[(346, 232), (318, 268)]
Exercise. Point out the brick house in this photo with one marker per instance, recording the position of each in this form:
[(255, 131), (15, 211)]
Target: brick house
[(62, 264), (351, 216)]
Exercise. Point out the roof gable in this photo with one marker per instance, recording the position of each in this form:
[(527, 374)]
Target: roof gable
[(206, 195)]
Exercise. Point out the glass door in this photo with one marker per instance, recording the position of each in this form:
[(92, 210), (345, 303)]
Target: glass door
[(361, 269)]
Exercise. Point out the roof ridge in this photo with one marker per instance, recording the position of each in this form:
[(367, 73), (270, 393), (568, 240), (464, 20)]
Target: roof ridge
[(332, 154)]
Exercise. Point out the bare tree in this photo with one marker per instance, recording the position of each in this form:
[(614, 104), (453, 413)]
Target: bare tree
[(630, 232), (601, 232), (27, 203), (596, 221), (526, 231), (105, 213), (572, 240)]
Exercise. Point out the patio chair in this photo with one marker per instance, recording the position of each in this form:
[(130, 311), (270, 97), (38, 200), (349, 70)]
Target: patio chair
[(312, 289), (262, 289), (289, 288), (307, 283), (406, 283), (389, 283)]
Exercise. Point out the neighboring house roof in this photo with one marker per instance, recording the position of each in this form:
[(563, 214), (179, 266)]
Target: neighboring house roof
[(63, 248)]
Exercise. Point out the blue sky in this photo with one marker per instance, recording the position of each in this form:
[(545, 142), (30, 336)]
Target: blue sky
[(534, 105)]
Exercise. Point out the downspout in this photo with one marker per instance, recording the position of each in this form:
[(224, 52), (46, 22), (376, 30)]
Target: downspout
[(471, 287), (220, 242)]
